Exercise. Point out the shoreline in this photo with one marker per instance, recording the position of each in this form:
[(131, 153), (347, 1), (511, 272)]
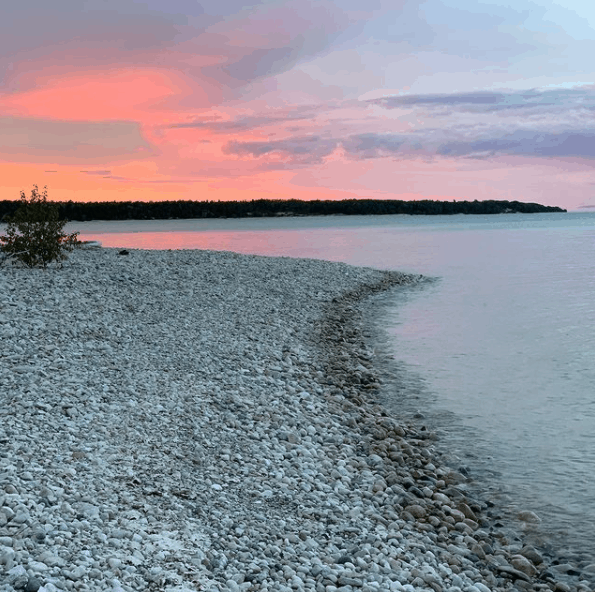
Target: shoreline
[(515, 531), (485, 479), (261, 462), (519, 534)]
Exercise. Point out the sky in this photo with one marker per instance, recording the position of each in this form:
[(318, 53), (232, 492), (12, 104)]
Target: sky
[(104, 100)]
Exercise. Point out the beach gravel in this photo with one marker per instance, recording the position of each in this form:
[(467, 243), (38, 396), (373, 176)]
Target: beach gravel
[(198, 420)]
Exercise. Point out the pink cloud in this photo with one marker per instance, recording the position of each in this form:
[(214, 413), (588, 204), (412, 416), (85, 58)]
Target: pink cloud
[(262, 98)]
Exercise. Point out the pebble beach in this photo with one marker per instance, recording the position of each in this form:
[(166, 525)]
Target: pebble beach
[(209, 421)]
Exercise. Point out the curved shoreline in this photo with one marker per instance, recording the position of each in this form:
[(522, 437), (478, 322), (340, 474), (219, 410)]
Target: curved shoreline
[(519, 534), (198, 420), (405, 393)]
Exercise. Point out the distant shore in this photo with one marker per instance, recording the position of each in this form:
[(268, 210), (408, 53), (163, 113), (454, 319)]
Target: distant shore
[(177, 210)]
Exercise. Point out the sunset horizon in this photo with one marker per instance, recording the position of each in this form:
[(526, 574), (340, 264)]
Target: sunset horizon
[(311, 101), (297, 296)]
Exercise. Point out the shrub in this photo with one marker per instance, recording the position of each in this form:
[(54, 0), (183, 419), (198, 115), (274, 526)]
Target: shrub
[(34, 234)]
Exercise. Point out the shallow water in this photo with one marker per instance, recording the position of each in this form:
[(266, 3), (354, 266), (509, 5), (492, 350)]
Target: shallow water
[(504, 339)]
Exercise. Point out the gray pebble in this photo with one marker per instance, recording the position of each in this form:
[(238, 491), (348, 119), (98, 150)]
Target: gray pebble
[(205, 420)]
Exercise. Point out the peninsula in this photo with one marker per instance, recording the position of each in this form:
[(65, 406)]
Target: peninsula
[(164, 210)]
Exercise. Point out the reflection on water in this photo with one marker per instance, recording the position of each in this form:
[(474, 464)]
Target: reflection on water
[(504, 342)]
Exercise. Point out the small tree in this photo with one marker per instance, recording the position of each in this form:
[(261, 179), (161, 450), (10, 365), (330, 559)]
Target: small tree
[(34, 234)]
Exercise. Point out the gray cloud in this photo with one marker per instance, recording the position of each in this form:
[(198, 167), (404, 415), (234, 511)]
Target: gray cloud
[(248, 123), (297, 151), (497, 101), (262, 62), (313, 149), (491, 143), (526, 142), (372, 145), (99, 33), (307, 30), (554, 123), (37, 25)]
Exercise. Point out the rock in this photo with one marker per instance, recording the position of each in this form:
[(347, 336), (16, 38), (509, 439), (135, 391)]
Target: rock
[(51, 560), (441, 498), (33, 584), (89, 245), (17, 577), (454, 477), (531, 554), (203, 417), (89, 511), (467, 511), (21, 517), (521, 563), (114, 563), (528, 516), (457, 515), (8, 512), (76, 574), (416, 511), (513, 573), (6, 558), (478, 550), (350, 581), (37, 566)]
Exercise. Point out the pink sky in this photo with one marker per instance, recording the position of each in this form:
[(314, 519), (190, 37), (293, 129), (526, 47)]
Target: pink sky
[(120, 100)]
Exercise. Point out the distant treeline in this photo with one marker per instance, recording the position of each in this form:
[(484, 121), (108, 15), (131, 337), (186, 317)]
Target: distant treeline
[(164, 210)]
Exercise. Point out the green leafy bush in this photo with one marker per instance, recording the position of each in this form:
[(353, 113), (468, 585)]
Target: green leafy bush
[(35, 233)]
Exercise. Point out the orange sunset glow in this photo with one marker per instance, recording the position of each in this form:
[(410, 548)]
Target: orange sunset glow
[(287, 100)]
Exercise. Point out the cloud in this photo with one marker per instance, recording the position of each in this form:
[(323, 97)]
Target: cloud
[(521, 142), (109, 24), (280, 84), (294, 151), (487, 101), (309, 150), (262, 62), (555, 123), (221, 46), (371, 145), (68, 141), (249, 122), (526, 142), (273, 37)]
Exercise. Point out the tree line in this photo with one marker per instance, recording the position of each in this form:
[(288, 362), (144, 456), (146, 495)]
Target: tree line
[(164, 210)]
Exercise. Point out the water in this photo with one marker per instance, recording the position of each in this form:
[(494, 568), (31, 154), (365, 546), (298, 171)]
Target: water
[(499, 351)]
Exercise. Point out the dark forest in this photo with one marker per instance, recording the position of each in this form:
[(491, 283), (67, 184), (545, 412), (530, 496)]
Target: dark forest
[(166, 210)]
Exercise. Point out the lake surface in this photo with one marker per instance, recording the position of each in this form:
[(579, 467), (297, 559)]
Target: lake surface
[(499, 351)]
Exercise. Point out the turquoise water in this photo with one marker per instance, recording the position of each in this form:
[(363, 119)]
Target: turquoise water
[(500, 350)]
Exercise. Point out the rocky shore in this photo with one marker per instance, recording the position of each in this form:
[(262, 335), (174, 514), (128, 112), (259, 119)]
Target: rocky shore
[(207, 421)]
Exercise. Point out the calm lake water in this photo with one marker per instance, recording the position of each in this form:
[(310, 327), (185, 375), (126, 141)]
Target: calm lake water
[(499, 352)]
